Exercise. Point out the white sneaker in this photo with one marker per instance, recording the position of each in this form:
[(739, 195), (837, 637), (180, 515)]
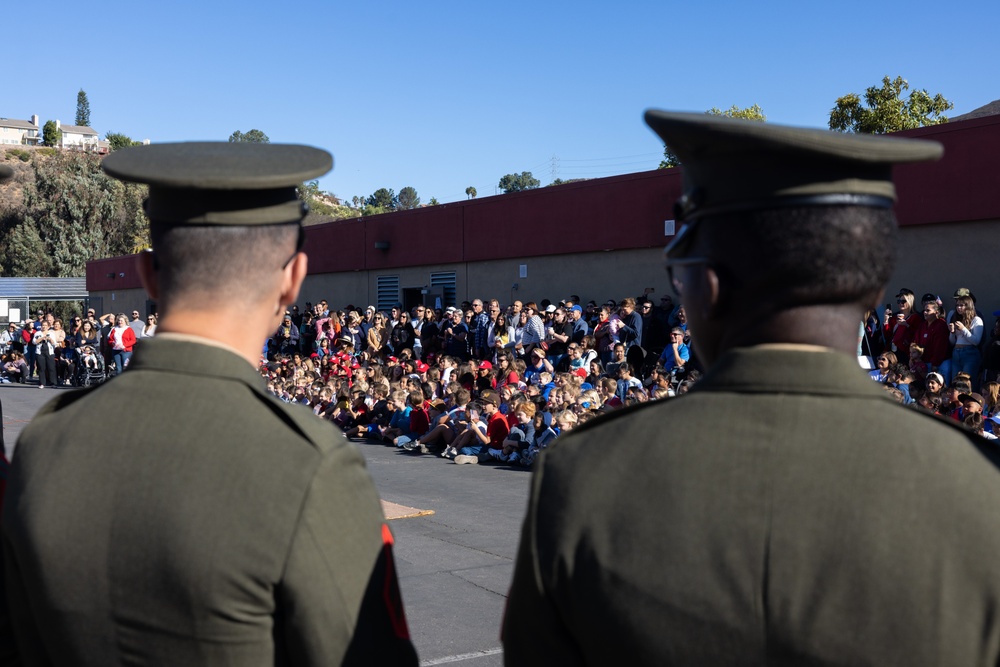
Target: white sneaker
[(465, 458)]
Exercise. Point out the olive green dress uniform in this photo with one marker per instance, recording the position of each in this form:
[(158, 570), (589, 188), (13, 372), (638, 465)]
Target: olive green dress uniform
[(819, 523), (222, 527), (181, 515), (785, 511)]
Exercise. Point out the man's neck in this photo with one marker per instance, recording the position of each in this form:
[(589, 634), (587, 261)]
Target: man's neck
[(240, 330), (829, 326)]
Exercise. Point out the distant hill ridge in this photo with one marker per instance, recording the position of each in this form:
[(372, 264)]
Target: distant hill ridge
[(991, 109)]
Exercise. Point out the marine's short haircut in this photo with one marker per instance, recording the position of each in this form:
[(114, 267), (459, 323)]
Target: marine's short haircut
[(807, 255), (205, 264)]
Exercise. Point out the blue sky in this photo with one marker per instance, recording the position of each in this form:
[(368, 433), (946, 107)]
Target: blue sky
[(442, 95)]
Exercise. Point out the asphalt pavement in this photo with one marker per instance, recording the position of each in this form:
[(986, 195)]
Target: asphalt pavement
[(455, 565), (454, 560), (20, 403)]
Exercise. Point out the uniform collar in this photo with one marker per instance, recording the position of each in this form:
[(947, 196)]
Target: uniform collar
[(194, 356), (789, 370)]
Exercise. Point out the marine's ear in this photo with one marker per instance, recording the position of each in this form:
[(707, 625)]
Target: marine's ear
[(145, 265), (291, 278), (714, 299), (874, 302)]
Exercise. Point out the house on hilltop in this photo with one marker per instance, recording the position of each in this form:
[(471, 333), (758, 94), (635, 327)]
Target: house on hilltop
[(78, 137), (20, 132)]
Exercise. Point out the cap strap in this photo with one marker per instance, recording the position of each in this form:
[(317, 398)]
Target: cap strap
[(685, 211), (233, 207)]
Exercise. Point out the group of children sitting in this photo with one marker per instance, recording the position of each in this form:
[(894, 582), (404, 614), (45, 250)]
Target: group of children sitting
[(912, 384), (473, 411), (459, 411), (487, 429)]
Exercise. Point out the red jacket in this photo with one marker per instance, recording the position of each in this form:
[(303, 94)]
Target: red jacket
[(901, 335), (497, 429), (128, 339), (420, 421), (933, 338)]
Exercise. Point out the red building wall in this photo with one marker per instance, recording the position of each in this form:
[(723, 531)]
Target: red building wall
[(617, 213), (960, 187)]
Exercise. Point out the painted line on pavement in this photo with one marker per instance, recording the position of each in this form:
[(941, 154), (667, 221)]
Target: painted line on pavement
[(460, 657), (397, 511)]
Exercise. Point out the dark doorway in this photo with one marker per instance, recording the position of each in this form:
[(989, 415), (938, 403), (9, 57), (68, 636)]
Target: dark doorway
[(412, 297)]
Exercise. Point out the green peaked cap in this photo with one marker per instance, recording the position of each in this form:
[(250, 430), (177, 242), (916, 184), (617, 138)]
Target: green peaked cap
[(734, 164), (221, 183)]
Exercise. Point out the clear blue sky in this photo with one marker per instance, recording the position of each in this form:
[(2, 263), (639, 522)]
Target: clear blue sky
[(442, 95)]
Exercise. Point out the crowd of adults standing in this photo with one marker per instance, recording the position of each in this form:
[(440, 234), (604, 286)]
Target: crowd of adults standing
[(58, 353), (944, 362)]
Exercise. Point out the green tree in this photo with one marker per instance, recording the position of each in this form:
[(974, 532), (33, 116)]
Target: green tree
[(519, 182), (82, 109), (884, 109), (471, 192), (407, 199), (51, 134), (117, 141), (250, 137), (77, 213), (25, 254), (368, 209), (322, 202), (384, 199), (754, 113), (433, 202)]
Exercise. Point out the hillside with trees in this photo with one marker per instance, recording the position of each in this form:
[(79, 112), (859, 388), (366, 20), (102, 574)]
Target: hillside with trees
[(61, 210)]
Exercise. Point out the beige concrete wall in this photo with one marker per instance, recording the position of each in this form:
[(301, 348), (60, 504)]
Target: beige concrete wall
[(121, 301), (597, 276), (941, 258), (933, 258), (339, 289)]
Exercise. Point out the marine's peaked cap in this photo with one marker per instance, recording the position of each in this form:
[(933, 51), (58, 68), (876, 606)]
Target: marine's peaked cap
[(735, 164), (221, 183)]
